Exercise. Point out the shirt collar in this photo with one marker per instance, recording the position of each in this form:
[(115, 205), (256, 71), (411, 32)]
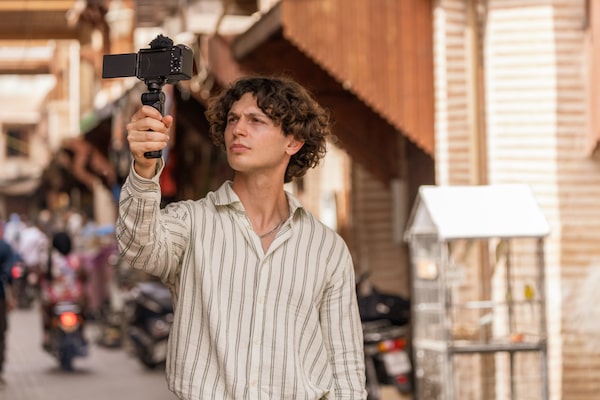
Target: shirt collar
[(226, 196)]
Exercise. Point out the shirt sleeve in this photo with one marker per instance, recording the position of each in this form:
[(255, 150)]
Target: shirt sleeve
[(342, 331), (150, 238)]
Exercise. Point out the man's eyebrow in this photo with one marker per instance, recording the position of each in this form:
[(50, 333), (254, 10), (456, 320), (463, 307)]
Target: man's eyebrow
[(252, 114), (257, 114)]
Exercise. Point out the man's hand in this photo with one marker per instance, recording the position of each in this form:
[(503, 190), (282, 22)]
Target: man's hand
[(147, 131)]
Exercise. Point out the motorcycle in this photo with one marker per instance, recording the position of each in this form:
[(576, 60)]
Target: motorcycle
[(385, 318), (66, 338), (24, 284), (386, 358), (149, 316)]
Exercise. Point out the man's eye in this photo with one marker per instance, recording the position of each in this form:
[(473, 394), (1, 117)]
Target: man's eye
[(231, 119)]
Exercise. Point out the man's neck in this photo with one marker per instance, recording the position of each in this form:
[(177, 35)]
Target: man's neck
[(265, 202)]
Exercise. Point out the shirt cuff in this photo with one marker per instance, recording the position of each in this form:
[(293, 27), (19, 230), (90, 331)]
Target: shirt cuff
[(146, 187)]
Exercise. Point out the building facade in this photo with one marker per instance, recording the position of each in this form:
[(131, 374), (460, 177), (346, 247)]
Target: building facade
[(516, 102)]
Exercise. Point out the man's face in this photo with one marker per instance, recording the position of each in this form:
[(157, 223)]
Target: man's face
[(254, 144)]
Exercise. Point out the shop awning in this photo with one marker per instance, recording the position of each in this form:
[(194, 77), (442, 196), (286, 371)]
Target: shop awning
[(370, 102)]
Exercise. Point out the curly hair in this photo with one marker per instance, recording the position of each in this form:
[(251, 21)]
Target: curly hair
[(288, 105)]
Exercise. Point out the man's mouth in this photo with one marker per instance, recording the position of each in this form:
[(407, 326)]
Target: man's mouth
[(238, 147)]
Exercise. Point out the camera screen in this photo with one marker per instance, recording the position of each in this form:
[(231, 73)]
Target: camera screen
[(118, 65), (153, 64)]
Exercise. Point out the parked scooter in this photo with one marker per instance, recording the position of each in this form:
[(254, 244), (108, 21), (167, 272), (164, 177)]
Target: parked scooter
[(385, 319), (149, 316), (66, 339)]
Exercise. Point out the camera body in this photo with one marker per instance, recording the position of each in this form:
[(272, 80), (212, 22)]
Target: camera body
[(158, 65), (167, 64)]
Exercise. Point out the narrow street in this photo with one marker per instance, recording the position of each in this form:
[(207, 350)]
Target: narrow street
[(32, 374)]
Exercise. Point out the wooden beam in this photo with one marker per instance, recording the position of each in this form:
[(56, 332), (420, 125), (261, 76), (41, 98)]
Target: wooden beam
[(18, 43), (34, 25), (24, 68), (268, 26), (36, 5)]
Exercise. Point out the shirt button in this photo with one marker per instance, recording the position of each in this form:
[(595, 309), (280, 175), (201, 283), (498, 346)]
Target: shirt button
[(257, 342), (253, 383), (261, 300)]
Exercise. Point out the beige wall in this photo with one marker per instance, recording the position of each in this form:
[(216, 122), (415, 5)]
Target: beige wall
[(375, 245), (535, 111), (367, 216)]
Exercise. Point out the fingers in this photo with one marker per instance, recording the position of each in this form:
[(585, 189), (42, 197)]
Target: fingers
[(147, 131), (149, 118)]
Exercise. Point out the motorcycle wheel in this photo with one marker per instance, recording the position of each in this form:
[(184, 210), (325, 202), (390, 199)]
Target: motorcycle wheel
[(145, 357), (149, 363), (21, 294), (66, 361), (373, 391)]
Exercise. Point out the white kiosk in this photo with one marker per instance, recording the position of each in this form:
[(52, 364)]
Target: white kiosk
[(478, 293)]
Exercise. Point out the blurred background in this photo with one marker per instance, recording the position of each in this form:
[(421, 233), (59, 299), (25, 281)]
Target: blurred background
[(422, 93)]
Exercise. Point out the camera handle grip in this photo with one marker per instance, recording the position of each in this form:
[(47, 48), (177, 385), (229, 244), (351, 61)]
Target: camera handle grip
[(155, 99)]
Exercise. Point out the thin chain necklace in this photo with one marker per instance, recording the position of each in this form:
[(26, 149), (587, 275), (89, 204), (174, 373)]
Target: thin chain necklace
[(279, 225)]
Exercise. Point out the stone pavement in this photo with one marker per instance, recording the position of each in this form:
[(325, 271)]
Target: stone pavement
[(32, 374), (106, 374)]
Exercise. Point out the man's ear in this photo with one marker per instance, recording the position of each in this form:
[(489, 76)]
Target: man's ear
[(294, 145)]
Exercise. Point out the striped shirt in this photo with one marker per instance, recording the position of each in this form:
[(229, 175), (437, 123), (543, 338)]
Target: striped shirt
[(249, 324)]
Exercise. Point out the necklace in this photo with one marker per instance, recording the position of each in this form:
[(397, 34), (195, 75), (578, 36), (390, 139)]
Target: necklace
[(279, 225)]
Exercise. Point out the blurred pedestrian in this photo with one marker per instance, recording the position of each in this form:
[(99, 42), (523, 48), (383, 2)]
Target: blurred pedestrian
[(12, 230), (265, 303), (7, 258), (33, 247)]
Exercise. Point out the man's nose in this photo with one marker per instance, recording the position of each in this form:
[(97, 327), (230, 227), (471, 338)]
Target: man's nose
[(240, 127)]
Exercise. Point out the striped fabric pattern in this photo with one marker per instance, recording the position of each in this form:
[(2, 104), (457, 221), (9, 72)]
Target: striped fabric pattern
[(248, 324)]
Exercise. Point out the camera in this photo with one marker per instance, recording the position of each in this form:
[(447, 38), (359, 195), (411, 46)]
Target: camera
[(162, 62)]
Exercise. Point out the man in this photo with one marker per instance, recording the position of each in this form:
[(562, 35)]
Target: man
[(33, 248), (7, 259), (265, 302)]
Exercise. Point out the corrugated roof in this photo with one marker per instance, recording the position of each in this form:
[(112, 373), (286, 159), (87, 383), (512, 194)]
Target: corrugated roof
[(382, 51)]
